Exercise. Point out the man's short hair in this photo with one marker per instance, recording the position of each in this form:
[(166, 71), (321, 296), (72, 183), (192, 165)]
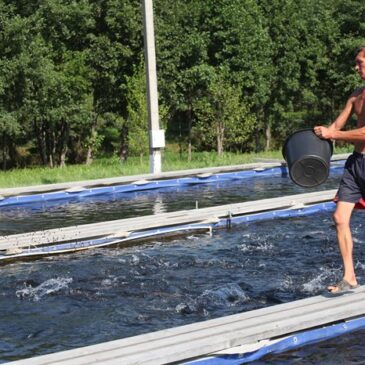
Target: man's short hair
[(361, 50)]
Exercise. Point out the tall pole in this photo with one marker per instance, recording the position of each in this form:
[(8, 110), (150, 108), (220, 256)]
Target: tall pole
[(156, 136)]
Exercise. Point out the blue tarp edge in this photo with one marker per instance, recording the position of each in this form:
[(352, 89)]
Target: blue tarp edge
[(292, 342), (148, 185)]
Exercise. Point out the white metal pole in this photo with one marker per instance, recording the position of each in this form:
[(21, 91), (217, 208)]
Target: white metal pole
[(156, 136)]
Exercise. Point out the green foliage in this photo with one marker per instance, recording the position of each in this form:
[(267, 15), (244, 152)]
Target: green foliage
[(223, 117), (233, 75), (137, 113)]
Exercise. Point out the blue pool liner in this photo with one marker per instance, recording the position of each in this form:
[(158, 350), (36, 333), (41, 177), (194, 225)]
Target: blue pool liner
[(149, 185), (292, 342), (280, 213)]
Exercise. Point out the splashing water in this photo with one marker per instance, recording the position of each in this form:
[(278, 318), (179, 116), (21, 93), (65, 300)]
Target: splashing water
[(48, 287), (230, 295), (319, 282), (222, 297), (257, 246)]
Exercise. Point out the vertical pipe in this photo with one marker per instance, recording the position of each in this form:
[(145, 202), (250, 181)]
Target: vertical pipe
[(156, 138)]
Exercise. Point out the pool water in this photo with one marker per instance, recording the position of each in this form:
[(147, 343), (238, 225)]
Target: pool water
[(62, 302), (47, 215)]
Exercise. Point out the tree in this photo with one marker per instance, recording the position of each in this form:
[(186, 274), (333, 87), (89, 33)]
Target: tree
[(223, 116), (115, 47), (14, 37), (302, 34), (195, 39), (137, 120), (182, 61), (239, 41)]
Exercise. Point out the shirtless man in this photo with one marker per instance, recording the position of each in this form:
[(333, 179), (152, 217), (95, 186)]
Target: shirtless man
[(352, 186)]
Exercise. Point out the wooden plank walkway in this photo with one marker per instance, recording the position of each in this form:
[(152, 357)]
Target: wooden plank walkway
[(200, 339), (203, 215)]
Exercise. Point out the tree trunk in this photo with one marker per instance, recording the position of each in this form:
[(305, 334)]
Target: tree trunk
[(180, 141), (4, 152), (41, 137), (89, 156), (63, 143), (50, 147), (268, 137), (90, 147), (50, 161), (12, 152), (63, 158), (219, 127), (220, 138), (189, 114), (124, 147)]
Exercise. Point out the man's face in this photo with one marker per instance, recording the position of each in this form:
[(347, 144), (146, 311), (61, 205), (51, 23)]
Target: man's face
[(360, 64)]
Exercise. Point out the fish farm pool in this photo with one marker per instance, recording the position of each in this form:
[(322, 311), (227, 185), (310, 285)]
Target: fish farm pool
[(62, 302), (55, 214)]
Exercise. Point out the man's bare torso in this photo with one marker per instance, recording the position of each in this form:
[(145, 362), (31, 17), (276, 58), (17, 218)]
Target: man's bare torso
[(359, 110)]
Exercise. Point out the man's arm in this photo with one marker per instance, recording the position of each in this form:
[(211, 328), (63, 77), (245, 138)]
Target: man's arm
[(334, 130), (344, 116), (353, 136)]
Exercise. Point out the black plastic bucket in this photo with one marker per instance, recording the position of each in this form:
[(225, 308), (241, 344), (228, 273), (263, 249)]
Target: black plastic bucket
[(308, 158)]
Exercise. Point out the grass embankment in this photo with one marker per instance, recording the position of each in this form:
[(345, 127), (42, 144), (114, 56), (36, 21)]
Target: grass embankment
[(112, 167)]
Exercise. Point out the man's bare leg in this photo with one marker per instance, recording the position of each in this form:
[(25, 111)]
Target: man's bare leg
[(342, 218)]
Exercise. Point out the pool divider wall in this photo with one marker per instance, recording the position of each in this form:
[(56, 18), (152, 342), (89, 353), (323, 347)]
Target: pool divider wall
[(118, 231), (179, 344)]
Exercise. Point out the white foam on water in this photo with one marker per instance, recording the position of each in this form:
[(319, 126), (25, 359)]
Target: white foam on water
[(46, 288), (359, 265), (106, 282), (256, 246), (229, 295), (135, 260), (356, 240), (287, 283), (246, 235), (320, 282), (186, 308), (222, 297), (109, 281)]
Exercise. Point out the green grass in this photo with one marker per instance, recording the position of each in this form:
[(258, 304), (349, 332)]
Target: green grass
[(112, 167)]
